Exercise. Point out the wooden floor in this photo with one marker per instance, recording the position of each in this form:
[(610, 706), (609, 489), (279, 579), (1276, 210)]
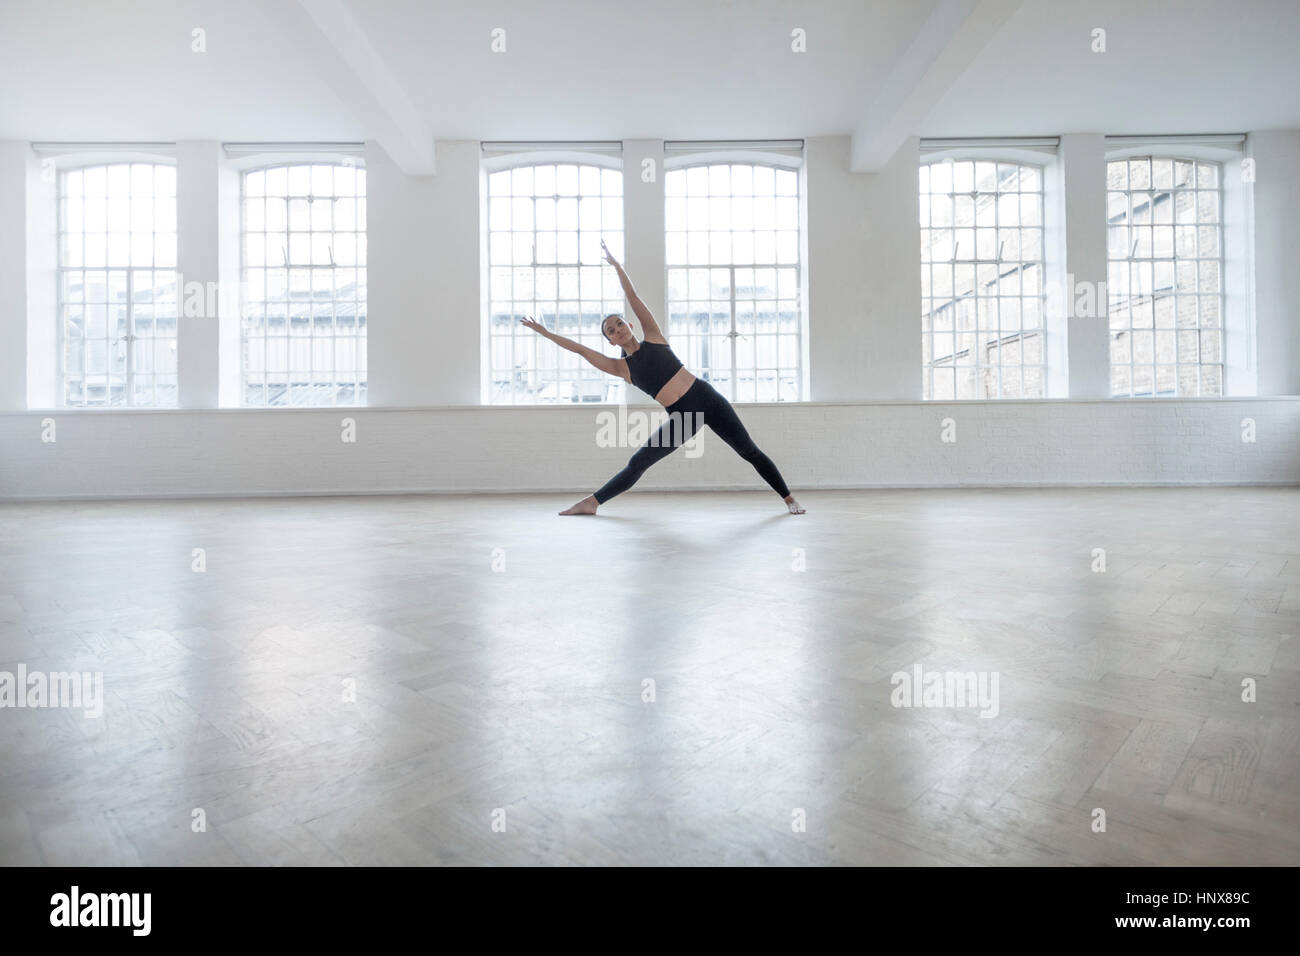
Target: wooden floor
[(520, 688)]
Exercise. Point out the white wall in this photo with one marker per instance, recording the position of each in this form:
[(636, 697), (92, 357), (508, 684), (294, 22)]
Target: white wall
[(300, 451), (424, 353)]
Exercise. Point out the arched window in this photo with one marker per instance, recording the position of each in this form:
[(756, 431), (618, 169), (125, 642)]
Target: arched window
[(117, 285), (303, 284), (735, 312), (545, 224), (982, 292), (1165, 277)]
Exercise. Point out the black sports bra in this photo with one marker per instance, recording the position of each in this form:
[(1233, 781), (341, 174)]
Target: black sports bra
[(651, 366)]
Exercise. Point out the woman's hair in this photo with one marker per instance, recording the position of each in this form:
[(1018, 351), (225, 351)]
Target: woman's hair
[(612, 315)]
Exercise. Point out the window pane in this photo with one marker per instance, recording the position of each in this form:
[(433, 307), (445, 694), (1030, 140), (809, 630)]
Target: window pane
[(726, 219), (1165, 253), (303, 329), (121, 215), (547, 228), (981, 281)]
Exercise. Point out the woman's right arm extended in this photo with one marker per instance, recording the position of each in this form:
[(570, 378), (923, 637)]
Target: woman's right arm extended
[(603, 362)]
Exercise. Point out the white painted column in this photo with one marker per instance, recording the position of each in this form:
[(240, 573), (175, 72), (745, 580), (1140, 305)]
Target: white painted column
[(44, 390), (424, 316), (14, 158), (864, 275), (229, 348), (1083, 167), (1277, 250), (198, 167), (644, 257)]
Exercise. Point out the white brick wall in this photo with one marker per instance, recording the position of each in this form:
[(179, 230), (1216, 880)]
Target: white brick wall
[(299, 451)]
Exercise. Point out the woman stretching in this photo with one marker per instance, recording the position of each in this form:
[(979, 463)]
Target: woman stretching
[(651, 366)]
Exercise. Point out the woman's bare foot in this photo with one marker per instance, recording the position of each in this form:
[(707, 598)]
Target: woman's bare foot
[(794, 506), (587, 506)]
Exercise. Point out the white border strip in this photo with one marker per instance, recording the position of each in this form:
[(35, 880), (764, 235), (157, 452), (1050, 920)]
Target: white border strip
[(788, 147), (1231, 140), (250, 149), (509, 147), (1043, 144), (61, 149)]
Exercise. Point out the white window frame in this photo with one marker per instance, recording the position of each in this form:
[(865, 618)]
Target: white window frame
[(103, 156), (1012, 154), (569, 376), (360, 377), (789, 159)]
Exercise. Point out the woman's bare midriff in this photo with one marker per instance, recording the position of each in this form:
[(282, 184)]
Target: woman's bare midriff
[(676, 387)]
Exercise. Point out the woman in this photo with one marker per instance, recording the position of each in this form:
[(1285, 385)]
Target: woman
[(651, 366)]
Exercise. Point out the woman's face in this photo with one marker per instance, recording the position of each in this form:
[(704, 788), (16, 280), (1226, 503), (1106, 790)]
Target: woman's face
[(618, 331)]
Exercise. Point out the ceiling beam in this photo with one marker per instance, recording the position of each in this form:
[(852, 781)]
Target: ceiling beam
[(947, 43), (346, 60)]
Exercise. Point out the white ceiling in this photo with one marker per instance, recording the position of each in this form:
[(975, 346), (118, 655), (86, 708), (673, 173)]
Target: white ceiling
[(614, 69), (623, 69), (1170, 66), (123, 70)]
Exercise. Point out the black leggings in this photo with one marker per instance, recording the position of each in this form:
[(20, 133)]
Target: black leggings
[(701, 405)]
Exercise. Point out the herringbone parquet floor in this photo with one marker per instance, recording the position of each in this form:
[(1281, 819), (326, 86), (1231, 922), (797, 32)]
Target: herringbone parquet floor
[(685, 679)]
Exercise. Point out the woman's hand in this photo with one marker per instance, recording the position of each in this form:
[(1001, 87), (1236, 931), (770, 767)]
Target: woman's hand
[(609, 256), (529, 322)]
